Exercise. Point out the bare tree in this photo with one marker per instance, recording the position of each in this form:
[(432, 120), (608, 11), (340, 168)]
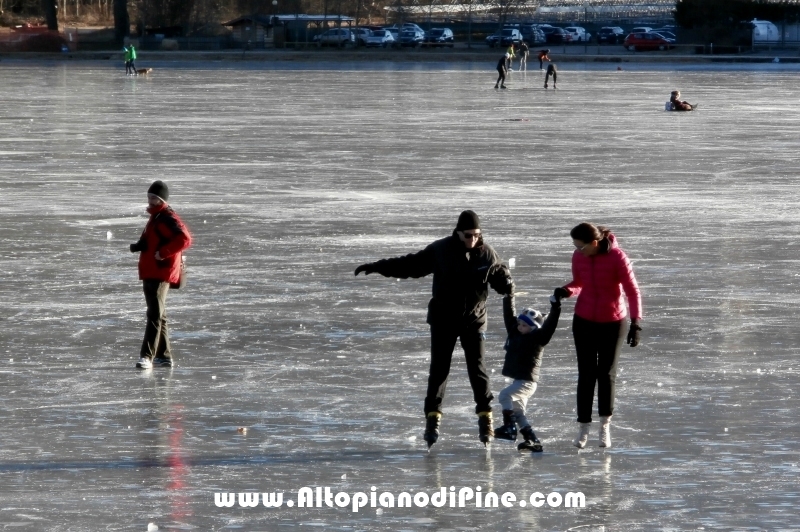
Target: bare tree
[(122, 21), (50, 14)]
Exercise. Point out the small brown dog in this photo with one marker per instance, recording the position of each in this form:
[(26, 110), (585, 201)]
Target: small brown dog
[(143, 71)]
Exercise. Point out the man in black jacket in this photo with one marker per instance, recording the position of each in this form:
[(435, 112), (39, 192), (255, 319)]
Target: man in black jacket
[(463, 268)]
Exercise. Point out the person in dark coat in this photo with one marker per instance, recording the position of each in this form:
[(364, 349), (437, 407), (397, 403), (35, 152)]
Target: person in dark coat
[(677, 104), (552, 70), (501, 71), (463, 268), (160, 249), (528, 333)]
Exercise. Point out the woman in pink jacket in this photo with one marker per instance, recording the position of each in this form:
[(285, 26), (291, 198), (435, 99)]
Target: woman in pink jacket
[(601, 272)]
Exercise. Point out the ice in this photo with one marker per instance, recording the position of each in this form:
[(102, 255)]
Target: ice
[(301, 168)]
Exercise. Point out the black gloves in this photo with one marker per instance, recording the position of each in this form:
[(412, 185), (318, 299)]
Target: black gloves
[(367, 268), (141, 245), (633, 335), (560, 293), (511, 288)]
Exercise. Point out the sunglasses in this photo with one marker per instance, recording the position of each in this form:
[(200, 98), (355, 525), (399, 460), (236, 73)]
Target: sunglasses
[(470, 236), (581, 248)]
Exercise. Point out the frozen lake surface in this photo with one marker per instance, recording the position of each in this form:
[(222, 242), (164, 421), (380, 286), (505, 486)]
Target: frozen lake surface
[(291, 177)]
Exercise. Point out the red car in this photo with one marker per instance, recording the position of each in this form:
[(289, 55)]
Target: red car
[(647, 41)]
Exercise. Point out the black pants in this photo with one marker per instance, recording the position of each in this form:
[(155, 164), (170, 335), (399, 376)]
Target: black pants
[(156, 333), (443, 342), (501, 79), (551, 71), (597, 346)]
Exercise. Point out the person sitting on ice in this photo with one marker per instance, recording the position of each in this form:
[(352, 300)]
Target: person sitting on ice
[(677, 104), (528, 333)]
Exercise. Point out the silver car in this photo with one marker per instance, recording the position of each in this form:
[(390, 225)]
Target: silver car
[(382, 38), (337, 37)]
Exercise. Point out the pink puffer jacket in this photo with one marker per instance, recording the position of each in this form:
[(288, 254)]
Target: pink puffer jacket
[(599, 281)]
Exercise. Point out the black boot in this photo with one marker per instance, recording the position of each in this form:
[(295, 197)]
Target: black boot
[(531, 442), (509, 430), (432, 422), (485, 430)]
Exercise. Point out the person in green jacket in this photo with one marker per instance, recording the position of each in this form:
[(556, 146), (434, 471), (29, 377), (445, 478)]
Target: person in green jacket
[(133, 60), (127, 60)]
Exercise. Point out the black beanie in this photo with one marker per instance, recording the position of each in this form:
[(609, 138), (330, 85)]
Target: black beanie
[(159, 188), (468, 220)]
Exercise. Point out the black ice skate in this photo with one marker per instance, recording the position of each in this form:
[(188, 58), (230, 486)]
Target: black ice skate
[(485, 430), (531, 442), (509, 430), (432, 422)]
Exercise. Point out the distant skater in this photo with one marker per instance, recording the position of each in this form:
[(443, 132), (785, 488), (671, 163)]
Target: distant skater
[(542, 55), (133, 59), (510, 57), (601, 273), (501, 70), (464, 267), (677, 104), (160, 249), (528, 333), (127, 60), (552, 70), (523, 56)]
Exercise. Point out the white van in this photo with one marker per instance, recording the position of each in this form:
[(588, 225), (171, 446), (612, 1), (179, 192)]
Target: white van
[(764, 31)]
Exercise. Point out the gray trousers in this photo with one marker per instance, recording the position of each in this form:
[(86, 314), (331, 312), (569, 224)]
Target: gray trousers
[(515, 397), (156, 333)]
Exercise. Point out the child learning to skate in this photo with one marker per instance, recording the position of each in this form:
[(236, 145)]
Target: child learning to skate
[(528, 333)]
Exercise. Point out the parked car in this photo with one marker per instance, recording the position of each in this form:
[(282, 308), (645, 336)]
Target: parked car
[(412, 26), (611, 35), (493, 39), (578, 34), (509, 36), (763, 31), (667, 34), (395, 31), (557, 35), (642, 29), (532, 35), (362, 34), (411, 38), (382, 38), (336, 37), (439, 37), (647, 41)]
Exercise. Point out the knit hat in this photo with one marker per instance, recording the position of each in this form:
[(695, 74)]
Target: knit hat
[(468, 220), (159, 188), (532, 317)]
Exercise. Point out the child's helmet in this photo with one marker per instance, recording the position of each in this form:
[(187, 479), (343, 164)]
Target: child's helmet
[(532, 317)]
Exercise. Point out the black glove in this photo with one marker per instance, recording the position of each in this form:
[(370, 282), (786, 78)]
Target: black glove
[(633, 335), (367, 268), (511, 288), (560, 293), (138, 246)]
